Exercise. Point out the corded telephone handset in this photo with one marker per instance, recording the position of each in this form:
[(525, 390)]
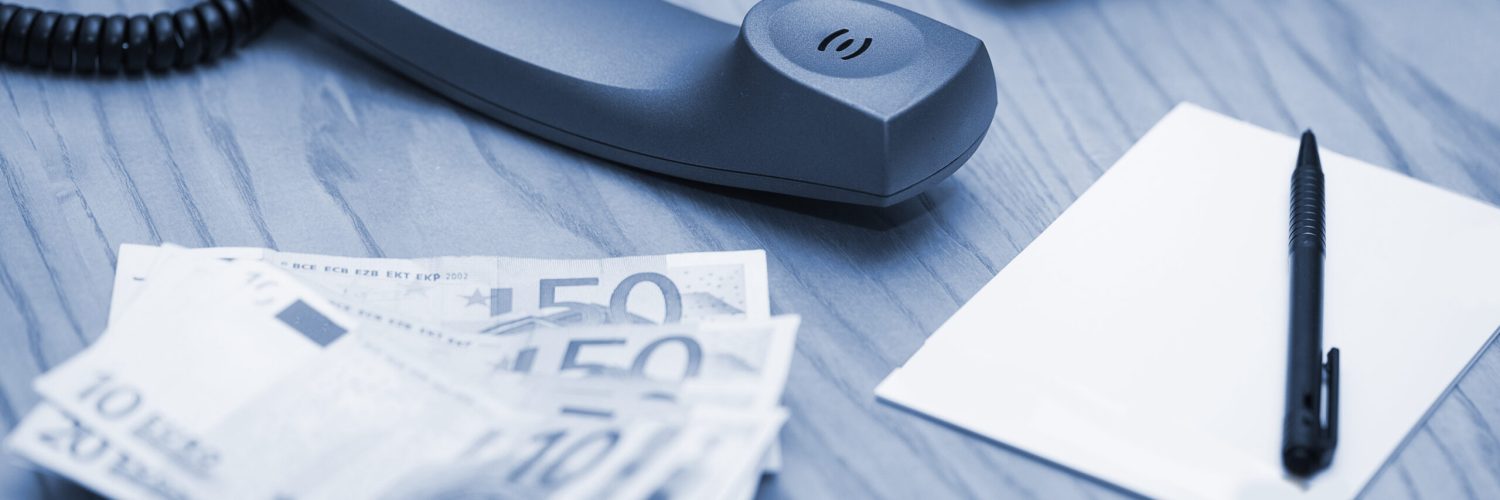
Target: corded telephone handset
[(847, 100)]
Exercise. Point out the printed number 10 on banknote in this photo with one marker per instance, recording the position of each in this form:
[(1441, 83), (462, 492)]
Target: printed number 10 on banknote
[(489, 293)]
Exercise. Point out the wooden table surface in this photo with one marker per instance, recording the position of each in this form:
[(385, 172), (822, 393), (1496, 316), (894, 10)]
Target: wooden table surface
[(298, 143)]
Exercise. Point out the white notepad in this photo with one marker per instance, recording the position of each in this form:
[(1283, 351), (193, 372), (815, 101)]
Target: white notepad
[(1141, 339)]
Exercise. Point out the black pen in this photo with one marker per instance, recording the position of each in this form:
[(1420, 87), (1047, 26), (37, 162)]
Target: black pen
[(1308, 438)]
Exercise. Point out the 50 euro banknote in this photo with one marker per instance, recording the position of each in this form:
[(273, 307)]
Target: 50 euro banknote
[(505, 295), (488, 294)]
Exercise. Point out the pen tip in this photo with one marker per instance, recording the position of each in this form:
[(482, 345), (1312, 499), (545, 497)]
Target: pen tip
[(1309, 151)]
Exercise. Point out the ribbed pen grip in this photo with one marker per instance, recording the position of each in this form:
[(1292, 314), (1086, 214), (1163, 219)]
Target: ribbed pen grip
[(1307, 209)]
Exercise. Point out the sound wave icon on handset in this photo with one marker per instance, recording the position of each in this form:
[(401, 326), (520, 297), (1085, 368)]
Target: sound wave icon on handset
[(823, 47)]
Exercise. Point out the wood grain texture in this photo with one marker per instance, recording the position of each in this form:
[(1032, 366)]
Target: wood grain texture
[(299, 144)]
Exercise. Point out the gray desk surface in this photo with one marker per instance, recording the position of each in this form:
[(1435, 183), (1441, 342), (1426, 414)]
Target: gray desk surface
[(299, 144)]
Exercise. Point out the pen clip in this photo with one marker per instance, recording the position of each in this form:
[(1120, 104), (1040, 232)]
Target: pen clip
[(1331, 426)]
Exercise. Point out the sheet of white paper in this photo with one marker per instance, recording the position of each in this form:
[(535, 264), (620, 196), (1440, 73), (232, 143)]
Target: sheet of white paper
[(1142, 337)]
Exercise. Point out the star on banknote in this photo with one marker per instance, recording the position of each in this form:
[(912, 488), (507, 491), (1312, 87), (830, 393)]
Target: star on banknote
[(478, 298)]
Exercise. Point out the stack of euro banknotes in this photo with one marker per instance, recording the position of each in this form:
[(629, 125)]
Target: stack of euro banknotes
[(251, 373)]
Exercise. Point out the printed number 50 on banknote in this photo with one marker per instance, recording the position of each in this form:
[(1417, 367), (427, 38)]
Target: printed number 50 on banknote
[(488, 293)]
